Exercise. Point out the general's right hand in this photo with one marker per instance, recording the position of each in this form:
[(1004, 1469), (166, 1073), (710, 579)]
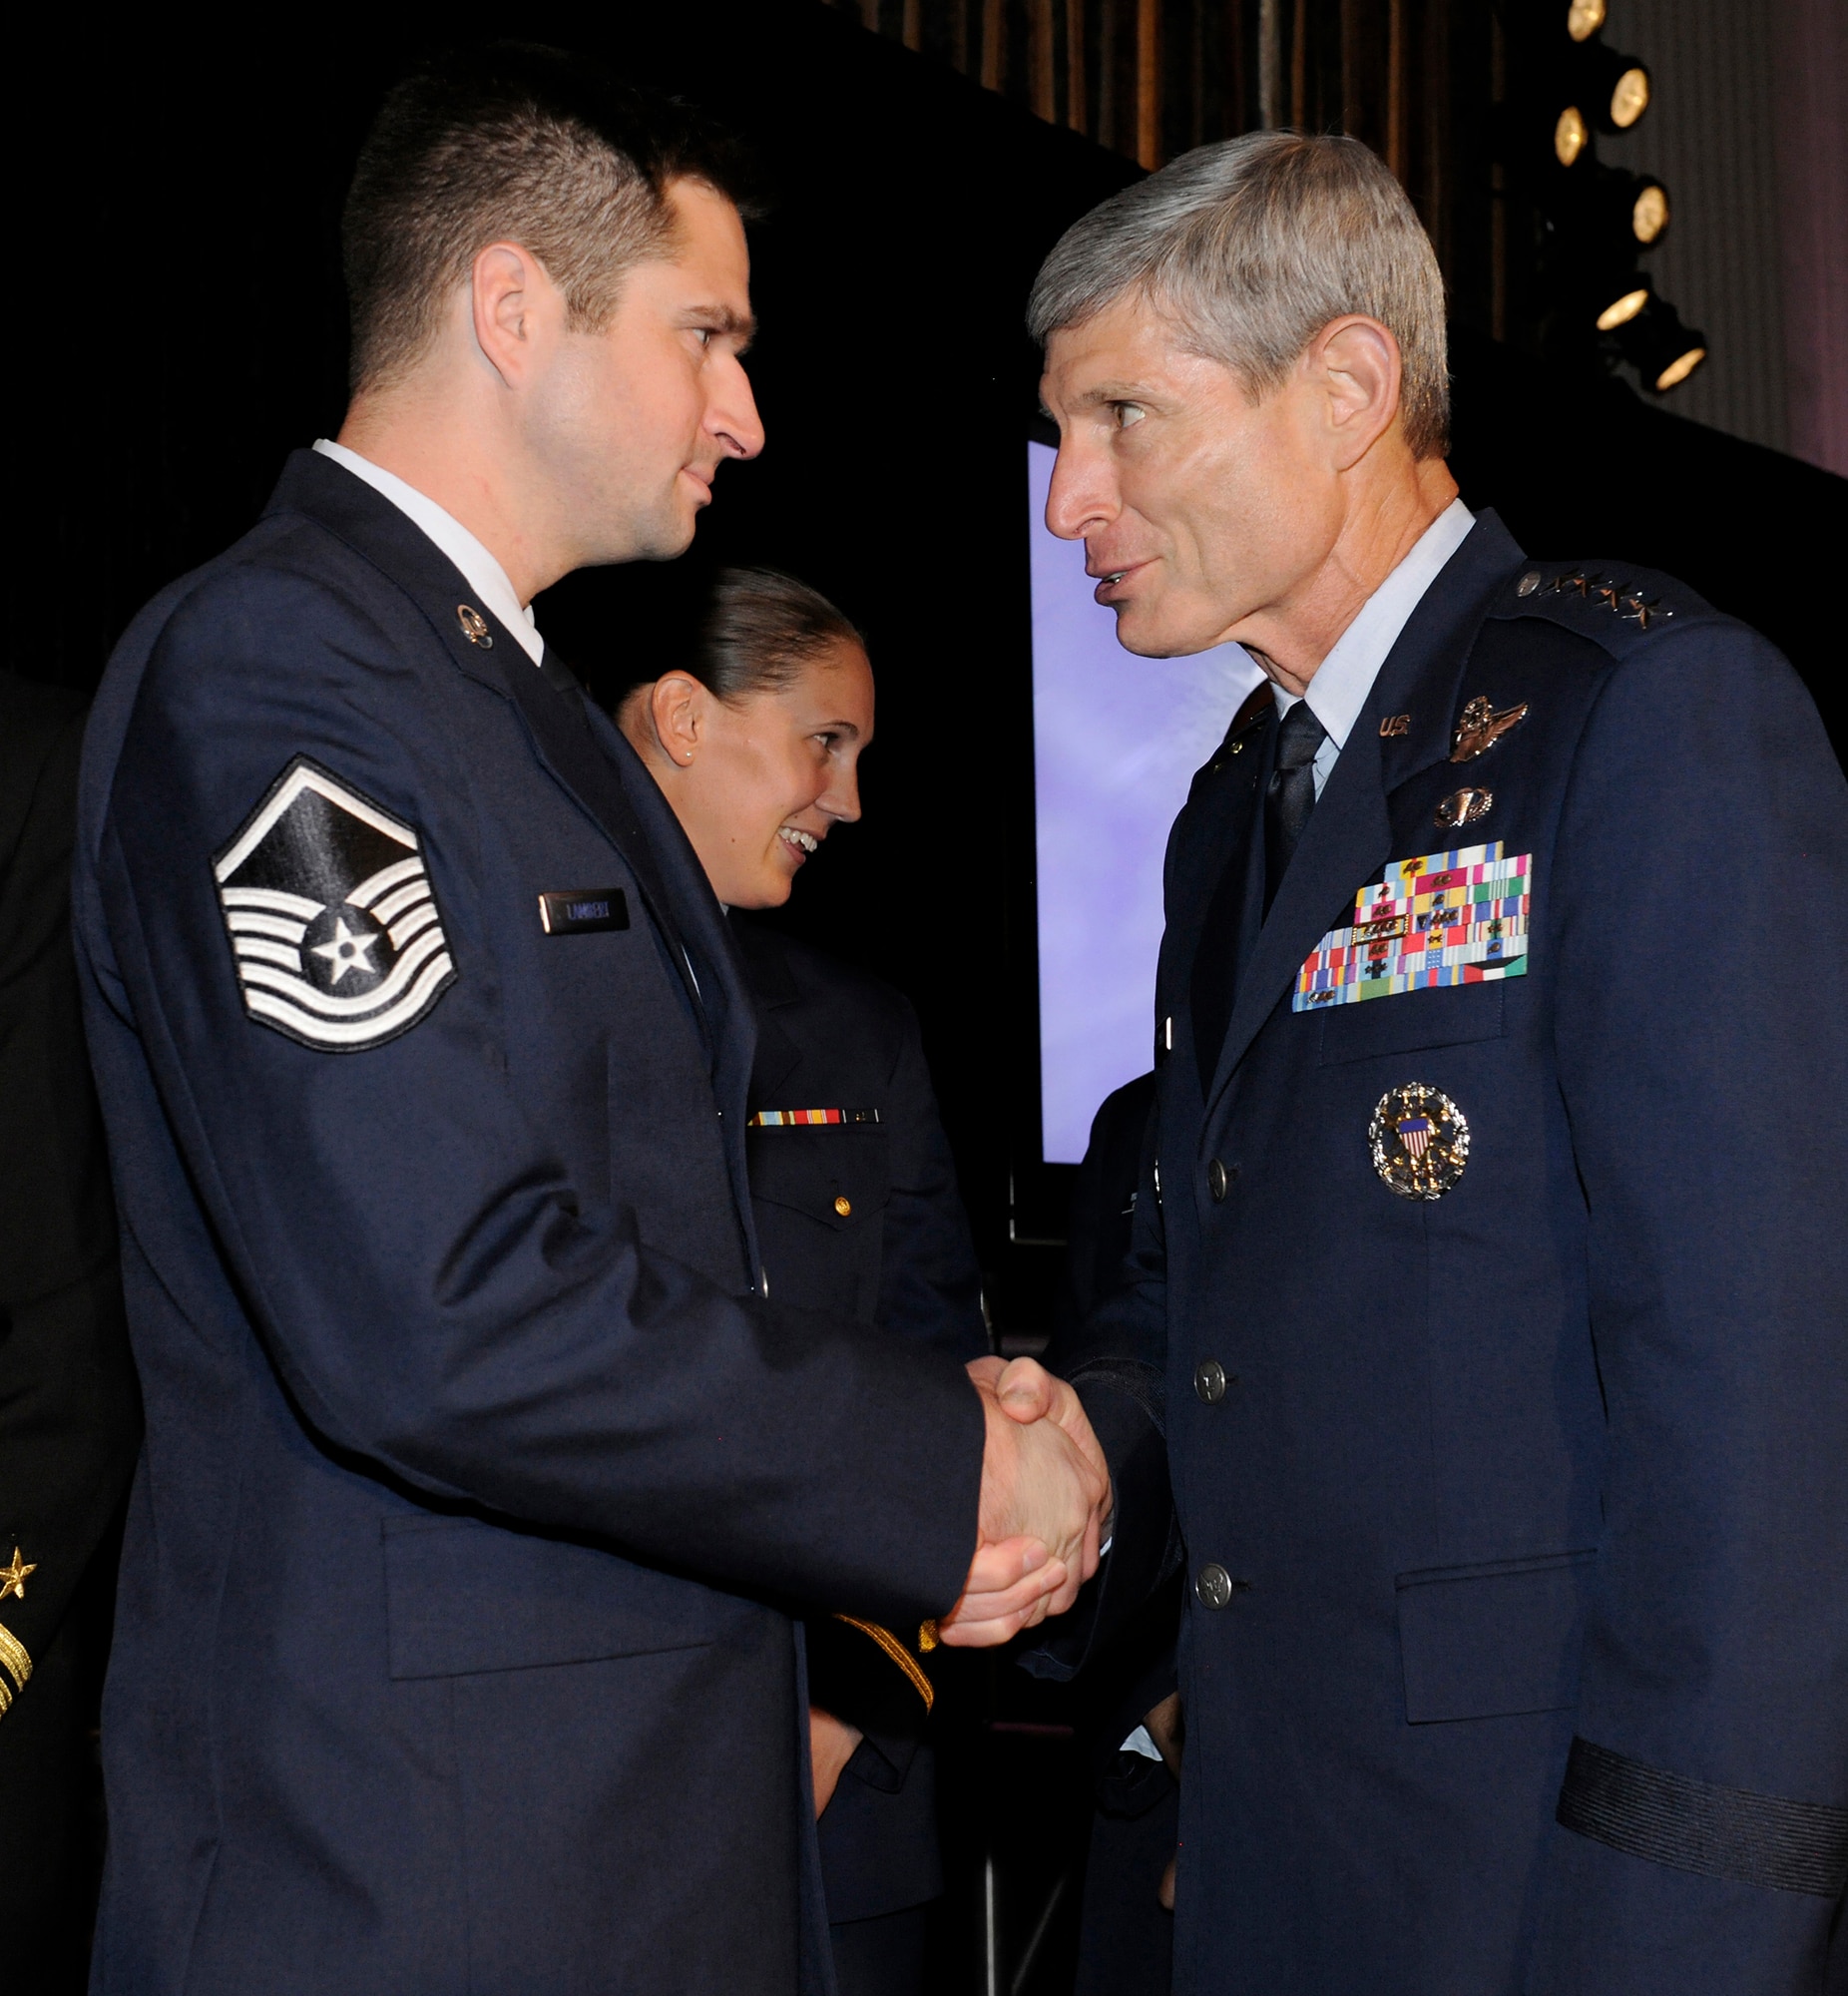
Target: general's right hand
[(1045, 1503)]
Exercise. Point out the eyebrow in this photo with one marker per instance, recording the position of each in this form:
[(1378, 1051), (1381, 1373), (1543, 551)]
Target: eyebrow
[(1112, 391), (722, 318)]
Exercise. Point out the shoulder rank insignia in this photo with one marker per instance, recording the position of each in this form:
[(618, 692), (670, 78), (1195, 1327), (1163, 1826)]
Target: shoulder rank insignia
[(333, 922), (1420, 1141), (1481, 726), (1630, 603)]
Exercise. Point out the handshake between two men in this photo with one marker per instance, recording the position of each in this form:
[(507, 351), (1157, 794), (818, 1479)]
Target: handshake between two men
[(1041, 1526), (1044, 1510)]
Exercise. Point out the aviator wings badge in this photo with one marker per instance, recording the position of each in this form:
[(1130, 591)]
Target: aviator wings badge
[(1480, 727), (332, 919)]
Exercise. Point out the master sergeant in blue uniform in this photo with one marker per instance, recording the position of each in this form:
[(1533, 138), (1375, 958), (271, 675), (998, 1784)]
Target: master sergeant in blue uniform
[(453, 1649)]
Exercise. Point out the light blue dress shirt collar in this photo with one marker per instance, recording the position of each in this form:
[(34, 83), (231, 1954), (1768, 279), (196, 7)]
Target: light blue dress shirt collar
[(1344, 678)]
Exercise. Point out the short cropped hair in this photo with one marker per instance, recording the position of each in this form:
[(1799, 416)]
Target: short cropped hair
[(1250, 247), (522, 144), (759, 628)]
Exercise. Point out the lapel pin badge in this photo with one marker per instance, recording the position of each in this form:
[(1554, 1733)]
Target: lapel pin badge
[(1481, 726), (474, 626), (1394, 726), (1465, 807)]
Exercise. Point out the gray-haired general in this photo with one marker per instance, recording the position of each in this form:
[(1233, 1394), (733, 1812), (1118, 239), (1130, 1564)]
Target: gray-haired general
[(1482, 1350)]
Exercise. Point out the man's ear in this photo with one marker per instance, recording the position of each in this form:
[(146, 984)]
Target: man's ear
[(676, 708), (510, 297), (1354, 361)]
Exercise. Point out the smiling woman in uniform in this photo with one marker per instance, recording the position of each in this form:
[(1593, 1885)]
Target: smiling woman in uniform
[(756, 742)]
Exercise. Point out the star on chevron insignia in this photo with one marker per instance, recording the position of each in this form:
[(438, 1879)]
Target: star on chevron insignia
[(13, 1578)]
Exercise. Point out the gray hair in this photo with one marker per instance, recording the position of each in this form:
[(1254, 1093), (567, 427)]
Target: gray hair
[(759, 629), (1250, 247)]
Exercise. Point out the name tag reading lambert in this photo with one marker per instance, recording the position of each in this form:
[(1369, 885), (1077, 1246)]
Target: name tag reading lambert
[(583, 911)]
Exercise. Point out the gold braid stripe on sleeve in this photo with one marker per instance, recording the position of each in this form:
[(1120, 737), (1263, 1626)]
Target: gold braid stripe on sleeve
[(902, 1657), (14, 1655)]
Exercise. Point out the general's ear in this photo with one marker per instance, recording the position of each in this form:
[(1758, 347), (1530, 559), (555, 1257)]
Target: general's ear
[(1354, 362), (676, 707)]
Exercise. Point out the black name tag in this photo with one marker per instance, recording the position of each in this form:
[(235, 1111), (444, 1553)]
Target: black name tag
[(583, 911)]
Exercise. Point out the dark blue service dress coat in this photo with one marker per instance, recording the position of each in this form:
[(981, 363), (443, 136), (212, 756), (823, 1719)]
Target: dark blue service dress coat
[(1490, 1330), (452, 1649), (860, 1218)]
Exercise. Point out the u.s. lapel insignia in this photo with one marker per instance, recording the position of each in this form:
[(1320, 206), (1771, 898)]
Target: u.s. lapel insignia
[(1465, 807), (1481, 726), (1420, 1141), (333, 922), (1395, 725), (474, 626)]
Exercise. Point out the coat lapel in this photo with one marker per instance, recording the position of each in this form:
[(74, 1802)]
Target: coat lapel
[(702, 934), (1349, 833), (772, 987)]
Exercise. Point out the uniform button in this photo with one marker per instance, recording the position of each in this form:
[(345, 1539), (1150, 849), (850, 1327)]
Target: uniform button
[(1218, 1176), (1527, 583), (1214, 1585), (1210, 1381), (843, 1205)]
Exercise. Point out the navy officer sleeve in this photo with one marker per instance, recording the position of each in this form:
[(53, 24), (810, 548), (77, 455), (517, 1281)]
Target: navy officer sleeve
[(1701, 897), (438, 1294)]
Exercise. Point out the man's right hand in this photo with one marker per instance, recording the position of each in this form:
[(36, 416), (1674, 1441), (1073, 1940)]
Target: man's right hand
[(1045, 1501)]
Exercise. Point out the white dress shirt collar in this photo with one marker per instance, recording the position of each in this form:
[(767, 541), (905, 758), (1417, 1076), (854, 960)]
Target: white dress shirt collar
[(483, 574), (1345, 677)]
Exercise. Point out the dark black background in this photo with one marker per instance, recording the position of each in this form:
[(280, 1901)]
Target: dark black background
[(179, 327)]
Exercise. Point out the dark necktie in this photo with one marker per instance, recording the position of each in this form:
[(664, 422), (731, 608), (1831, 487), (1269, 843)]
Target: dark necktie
[(556, 674), (1291, 795)]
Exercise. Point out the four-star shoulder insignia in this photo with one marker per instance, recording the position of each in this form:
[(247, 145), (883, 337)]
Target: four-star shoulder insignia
[(333, 922), (1604, 590)]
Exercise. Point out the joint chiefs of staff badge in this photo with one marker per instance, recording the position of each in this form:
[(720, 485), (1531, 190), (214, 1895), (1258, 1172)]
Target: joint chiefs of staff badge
[(332, 919), (1420, 1141)]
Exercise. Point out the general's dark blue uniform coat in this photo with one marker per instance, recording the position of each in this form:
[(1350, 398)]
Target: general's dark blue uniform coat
[(446, 1657), (1516, 1519)]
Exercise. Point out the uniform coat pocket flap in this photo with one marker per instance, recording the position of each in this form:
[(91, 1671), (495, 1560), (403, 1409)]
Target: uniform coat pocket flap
[(463, 1596), (817, 1169), (1487, 1642), (1411, 1020)]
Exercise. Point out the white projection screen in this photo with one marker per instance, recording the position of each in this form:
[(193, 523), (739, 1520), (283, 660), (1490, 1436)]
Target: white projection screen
[(1116, 742)]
